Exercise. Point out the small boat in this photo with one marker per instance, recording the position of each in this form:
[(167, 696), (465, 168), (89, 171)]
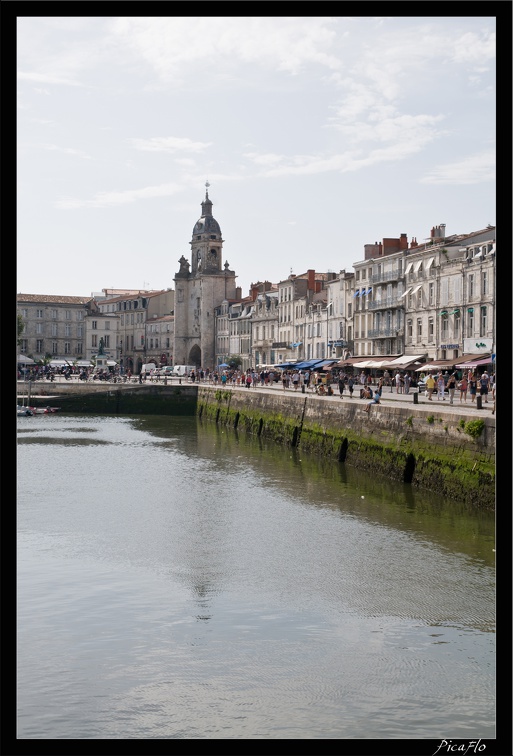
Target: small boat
[(43, 410), (24, 411)]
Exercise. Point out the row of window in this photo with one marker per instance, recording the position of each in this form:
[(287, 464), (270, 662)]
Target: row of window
[(55, 347), (54, 314)]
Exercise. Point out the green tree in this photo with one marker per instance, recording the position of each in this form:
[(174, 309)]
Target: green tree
[(234, 361), (45, 360)]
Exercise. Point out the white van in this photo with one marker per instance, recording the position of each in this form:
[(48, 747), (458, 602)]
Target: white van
[(148, 367), (183, 370)]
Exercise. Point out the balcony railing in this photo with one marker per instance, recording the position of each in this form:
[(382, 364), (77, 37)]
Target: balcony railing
[(385, 304), (390, 275), (383, 333)]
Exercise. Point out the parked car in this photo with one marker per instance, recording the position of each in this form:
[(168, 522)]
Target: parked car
[(162, 372)]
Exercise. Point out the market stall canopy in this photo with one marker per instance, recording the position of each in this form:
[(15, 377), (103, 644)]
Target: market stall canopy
[(307, 364), (406, 361), (372, 364), (476, 363), (286, 365), (458, 362), (361, 362), (22, 360), (324, 365)]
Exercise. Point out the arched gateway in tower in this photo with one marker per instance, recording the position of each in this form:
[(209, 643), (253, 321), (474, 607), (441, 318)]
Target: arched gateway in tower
[(200, 286)]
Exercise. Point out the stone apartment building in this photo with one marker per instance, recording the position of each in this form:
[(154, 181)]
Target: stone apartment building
[(55, 326), (145, 327), (431, 299)]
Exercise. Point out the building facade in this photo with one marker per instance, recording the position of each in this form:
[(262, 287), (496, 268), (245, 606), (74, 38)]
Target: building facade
[(54, 327)]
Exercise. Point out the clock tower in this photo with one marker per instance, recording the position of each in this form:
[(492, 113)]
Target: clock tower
[(200, 287)]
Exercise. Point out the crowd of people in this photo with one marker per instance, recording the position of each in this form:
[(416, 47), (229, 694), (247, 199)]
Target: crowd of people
[(466, 382), (437, 384)]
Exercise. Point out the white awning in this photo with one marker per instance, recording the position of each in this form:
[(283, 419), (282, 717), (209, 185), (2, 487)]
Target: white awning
[(415, 290), (405, 359), (429, 263), (405, 293), (477, 255), (417, 266), (408, 268)]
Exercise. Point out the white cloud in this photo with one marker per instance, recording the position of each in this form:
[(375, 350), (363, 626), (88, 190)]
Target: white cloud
[(125, 197), (168, 144), (171, 45), (48, 78), (264, 159), (66, 150), (474, 169), (112, 199)]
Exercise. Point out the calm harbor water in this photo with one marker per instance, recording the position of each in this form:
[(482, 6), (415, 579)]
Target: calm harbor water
[(177, 580)]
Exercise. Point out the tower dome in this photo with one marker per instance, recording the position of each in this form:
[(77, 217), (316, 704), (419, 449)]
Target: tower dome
[(207, 224)]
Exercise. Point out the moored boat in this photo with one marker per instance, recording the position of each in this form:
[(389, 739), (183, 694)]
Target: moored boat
[(24, 411), (43, 410)]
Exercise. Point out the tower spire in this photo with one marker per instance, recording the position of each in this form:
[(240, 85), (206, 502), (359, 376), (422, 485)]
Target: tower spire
[(206, 205)]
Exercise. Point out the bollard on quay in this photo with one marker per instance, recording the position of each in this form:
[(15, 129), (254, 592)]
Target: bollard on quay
[(415, 397), (479, 402)]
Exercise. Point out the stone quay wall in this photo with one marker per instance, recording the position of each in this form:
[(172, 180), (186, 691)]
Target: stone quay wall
[(407, 443)]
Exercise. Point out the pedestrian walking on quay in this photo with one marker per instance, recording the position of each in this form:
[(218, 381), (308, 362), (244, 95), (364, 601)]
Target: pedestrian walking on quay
[(472, 385), (350, 386), (484, 382), (341, 384), (463, 387), (430, 386), (440, 385), (451, 387)]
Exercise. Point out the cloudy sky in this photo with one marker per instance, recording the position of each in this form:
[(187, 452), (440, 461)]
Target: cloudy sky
[(317, 135)]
